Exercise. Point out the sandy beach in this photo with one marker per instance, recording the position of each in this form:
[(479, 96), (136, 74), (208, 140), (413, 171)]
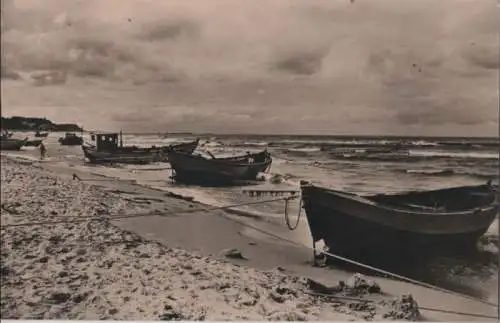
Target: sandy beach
[(100, 271)]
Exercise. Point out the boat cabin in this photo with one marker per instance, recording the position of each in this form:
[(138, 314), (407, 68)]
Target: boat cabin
[(107, 141)]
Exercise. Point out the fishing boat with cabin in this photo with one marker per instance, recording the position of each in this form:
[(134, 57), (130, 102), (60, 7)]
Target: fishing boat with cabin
[(406, 224), (190, 168), (109, 148)]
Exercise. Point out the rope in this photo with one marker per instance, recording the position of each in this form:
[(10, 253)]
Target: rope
[(410, 280), (368, 300), (114, 217), (287, 218)]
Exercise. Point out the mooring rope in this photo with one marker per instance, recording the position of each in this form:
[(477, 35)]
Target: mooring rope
[(287, 218), (371, 300), (113, 217)]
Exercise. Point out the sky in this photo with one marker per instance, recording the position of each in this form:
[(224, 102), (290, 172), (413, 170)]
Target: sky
[(377, 67)]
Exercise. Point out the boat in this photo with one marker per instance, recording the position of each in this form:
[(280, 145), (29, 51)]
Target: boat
[(405, 224), (108, 149), (12, 144), (33, 142), (39, 134), (191, 168), (70, 139), (186, 147)]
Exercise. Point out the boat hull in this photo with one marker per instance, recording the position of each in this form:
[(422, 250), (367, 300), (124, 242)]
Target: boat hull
[(354, 229), (200, 170), (77, 141), (12, 144), (135, 155), (122, 157)]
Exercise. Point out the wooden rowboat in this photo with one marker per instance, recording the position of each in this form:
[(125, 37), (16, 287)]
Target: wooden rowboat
[(366, 227), (189, 168)]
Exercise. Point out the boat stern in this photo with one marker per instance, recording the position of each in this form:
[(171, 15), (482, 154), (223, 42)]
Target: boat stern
[(314, 219)]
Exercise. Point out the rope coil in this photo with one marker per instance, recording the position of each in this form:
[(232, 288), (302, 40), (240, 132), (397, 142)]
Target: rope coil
[(287, 217)]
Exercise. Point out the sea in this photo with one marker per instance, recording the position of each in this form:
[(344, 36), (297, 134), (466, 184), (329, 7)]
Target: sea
[(349, 163)]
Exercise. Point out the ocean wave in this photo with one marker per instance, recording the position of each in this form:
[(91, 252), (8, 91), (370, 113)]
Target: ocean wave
[(249, 144), (442, 172), (451, 172), (414, 156), (300, 152), (306, 150), (450, 154)]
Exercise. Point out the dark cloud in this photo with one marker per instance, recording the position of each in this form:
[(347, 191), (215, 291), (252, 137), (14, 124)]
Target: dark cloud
[(169, 30)]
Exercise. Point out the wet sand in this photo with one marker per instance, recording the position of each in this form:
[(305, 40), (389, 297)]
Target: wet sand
[(66, 271)]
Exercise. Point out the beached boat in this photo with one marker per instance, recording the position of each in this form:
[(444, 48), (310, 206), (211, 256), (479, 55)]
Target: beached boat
[(189, 168), (33, 142), (109, 149), (12, 144), (39, 134), (70, 139), (368, 227)]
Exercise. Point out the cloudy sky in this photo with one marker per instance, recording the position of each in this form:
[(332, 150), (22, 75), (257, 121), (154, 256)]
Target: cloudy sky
[(383, 67)]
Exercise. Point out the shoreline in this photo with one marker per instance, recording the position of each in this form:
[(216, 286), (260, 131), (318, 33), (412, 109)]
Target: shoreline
[(151, 228)]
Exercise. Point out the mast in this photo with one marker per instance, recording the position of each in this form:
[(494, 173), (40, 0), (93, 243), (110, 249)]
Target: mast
[(121, 139)]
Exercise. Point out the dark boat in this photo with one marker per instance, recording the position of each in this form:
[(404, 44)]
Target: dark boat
[(189, 168), (406, 224), (12, 144), (33, 142), (70, 139), (39, 134), (110, 149), (186, 147)]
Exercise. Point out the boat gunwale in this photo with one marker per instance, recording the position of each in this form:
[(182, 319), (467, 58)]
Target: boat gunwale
[(222, 161), (367, 201)]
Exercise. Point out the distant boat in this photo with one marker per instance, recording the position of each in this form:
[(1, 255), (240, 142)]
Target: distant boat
[(369, 227), (12, 144), (191, 168), (70, 139), (41, 134), (108, 150), (33, 142)]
